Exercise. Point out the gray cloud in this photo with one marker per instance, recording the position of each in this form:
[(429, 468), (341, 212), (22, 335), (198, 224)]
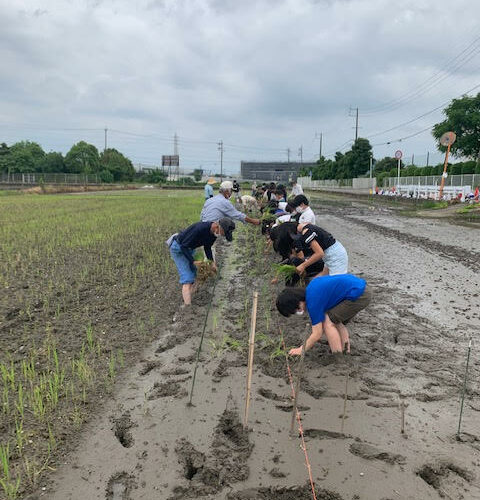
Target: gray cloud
[(266, 74)]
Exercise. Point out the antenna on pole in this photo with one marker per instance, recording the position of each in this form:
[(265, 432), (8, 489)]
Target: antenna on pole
[(220, 148), (105, 146)]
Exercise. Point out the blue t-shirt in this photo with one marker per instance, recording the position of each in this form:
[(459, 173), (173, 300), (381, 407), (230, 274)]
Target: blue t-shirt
[(325, 292)]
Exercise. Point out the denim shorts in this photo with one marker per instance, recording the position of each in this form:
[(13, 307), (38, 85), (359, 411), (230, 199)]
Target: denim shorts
[(336, 259), (187, 274)]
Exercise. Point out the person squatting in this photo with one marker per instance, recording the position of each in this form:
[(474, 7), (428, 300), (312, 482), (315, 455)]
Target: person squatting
[(320, 284)]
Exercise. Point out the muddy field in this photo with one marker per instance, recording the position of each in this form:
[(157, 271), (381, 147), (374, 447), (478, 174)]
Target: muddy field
[(408, 350)]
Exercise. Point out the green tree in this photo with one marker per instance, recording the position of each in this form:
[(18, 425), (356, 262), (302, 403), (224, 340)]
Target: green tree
[(53, 162), (197, 174), (117, 164), (23, 157), (83, 158), (463, 118)]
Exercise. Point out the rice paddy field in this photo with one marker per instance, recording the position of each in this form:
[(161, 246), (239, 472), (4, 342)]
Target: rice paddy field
[(97, 359), (84, 281)]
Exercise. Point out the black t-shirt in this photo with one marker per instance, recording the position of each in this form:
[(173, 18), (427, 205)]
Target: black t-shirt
[(322, 237)]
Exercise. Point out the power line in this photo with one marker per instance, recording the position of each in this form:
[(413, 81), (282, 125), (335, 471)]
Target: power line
[(465, 56), (420, 116)]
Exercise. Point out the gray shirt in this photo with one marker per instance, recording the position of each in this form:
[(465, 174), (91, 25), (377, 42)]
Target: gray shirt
[(217, 207)]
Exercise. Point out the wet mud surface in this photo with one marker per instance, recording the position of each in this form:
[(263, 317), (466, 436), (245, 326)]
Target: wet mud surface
[(408, 350)]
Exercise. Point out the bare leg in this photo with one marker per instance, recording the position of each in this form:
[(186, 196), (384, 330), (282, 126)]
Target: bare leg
[(187, 293), (344, 336), (333, 335)]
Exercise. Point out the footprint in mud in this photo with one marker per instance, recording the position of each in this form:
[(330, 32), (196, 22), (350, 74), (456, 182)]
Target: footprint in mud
[(166, 344), (289, 408), (225, 463), (434, 474), (148, 367), (369, 452), (121, 428), (289, 493), (166, 389), (175, 371), (119, 486), (324, 434), (268, 394)]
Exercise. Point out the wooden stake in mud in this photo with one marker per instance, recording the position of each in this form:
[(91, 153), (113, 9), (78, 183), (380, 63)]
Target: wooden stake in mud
[(464, 388), (297, 386), (251, 347), (345, 400)]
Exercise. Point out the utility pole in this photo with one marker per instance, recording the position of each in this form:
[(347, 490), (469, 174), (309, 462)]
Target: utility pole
[(428, 158), (105, 147), (356, 120), (413, 158), (220, 148), (300, 153), (320, 137), (175, 152), (288, 155)]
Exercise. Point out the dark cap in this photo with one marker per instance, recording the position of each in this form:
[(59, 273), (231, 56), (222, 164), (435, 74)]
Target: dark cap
[(228, 226), (298, 200)]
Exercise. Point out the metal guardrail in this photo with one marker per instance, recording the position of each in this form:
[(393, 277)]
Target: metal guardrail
[(49, 178)]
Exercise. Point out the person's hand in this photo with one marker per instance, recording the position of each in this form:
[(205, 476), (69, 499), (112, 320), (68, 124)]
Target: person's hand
[(297, 351), (274, 281), (214, 267), (256, 222), (300, 269)]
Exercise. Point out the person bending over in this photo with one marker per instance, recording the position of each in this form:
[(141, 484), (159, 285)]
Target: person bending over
[(314, 243), (182, 247), (302, 206), (331, 302), (219, 206)]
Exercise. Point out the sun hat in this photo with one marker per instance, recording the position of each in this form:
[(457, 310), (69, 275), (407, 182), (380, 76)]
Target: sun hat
[(226, 185), (211, 180)]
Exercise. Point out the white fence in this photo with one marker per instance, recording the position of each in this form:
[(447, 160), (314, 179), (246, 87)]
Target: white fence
[(50, 178), (306, 182), (472, 180)]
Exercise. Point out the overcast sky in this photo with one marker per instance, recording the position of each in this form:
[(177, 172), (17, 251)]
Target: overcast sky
[(261, 75)]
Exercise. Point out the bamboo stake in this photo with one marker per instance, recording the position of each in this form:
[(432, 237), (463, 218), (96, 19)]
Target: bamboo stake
[(464, 388), (345, 401), (251, 347), (297, 386)]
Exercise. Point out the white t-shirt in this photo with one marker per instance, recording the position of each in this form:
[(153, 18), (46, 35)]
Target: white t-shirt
[(296, 190), (307, 217)]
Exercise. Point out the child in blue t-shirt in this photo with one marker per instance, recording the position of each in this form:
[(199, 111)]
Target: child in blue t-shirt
[(331, 302)]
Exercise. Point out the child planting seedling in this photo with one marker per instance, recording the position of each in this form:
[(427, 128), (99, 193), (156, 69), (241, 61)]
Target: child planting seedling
[(331, 302)]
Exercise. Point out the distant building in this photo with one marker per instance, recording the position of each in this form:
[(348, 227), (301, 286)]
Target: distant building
[(272, 171)]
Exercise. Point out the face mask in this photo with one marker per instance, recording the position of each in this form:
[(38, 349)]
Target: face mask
[(300, 210), (299, 312), (217, 235)]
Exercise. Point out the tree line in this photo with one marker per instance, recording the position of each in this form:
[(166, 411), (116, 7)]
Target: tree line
[(462, 116), (83, 158)]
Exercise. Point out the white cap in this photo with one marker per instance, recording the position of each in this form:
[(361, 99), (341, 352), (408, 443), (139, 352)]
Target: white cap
[(226, 185)]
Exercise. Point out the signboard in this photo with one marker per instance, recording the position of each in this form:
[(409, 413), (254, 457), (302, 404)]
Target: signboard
[(398, 154), (170, 161)]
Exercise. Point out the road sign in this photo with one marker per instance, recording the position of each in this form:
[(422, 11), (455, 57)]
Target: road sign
[(398, 154), (170, 161), (448, 138)]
